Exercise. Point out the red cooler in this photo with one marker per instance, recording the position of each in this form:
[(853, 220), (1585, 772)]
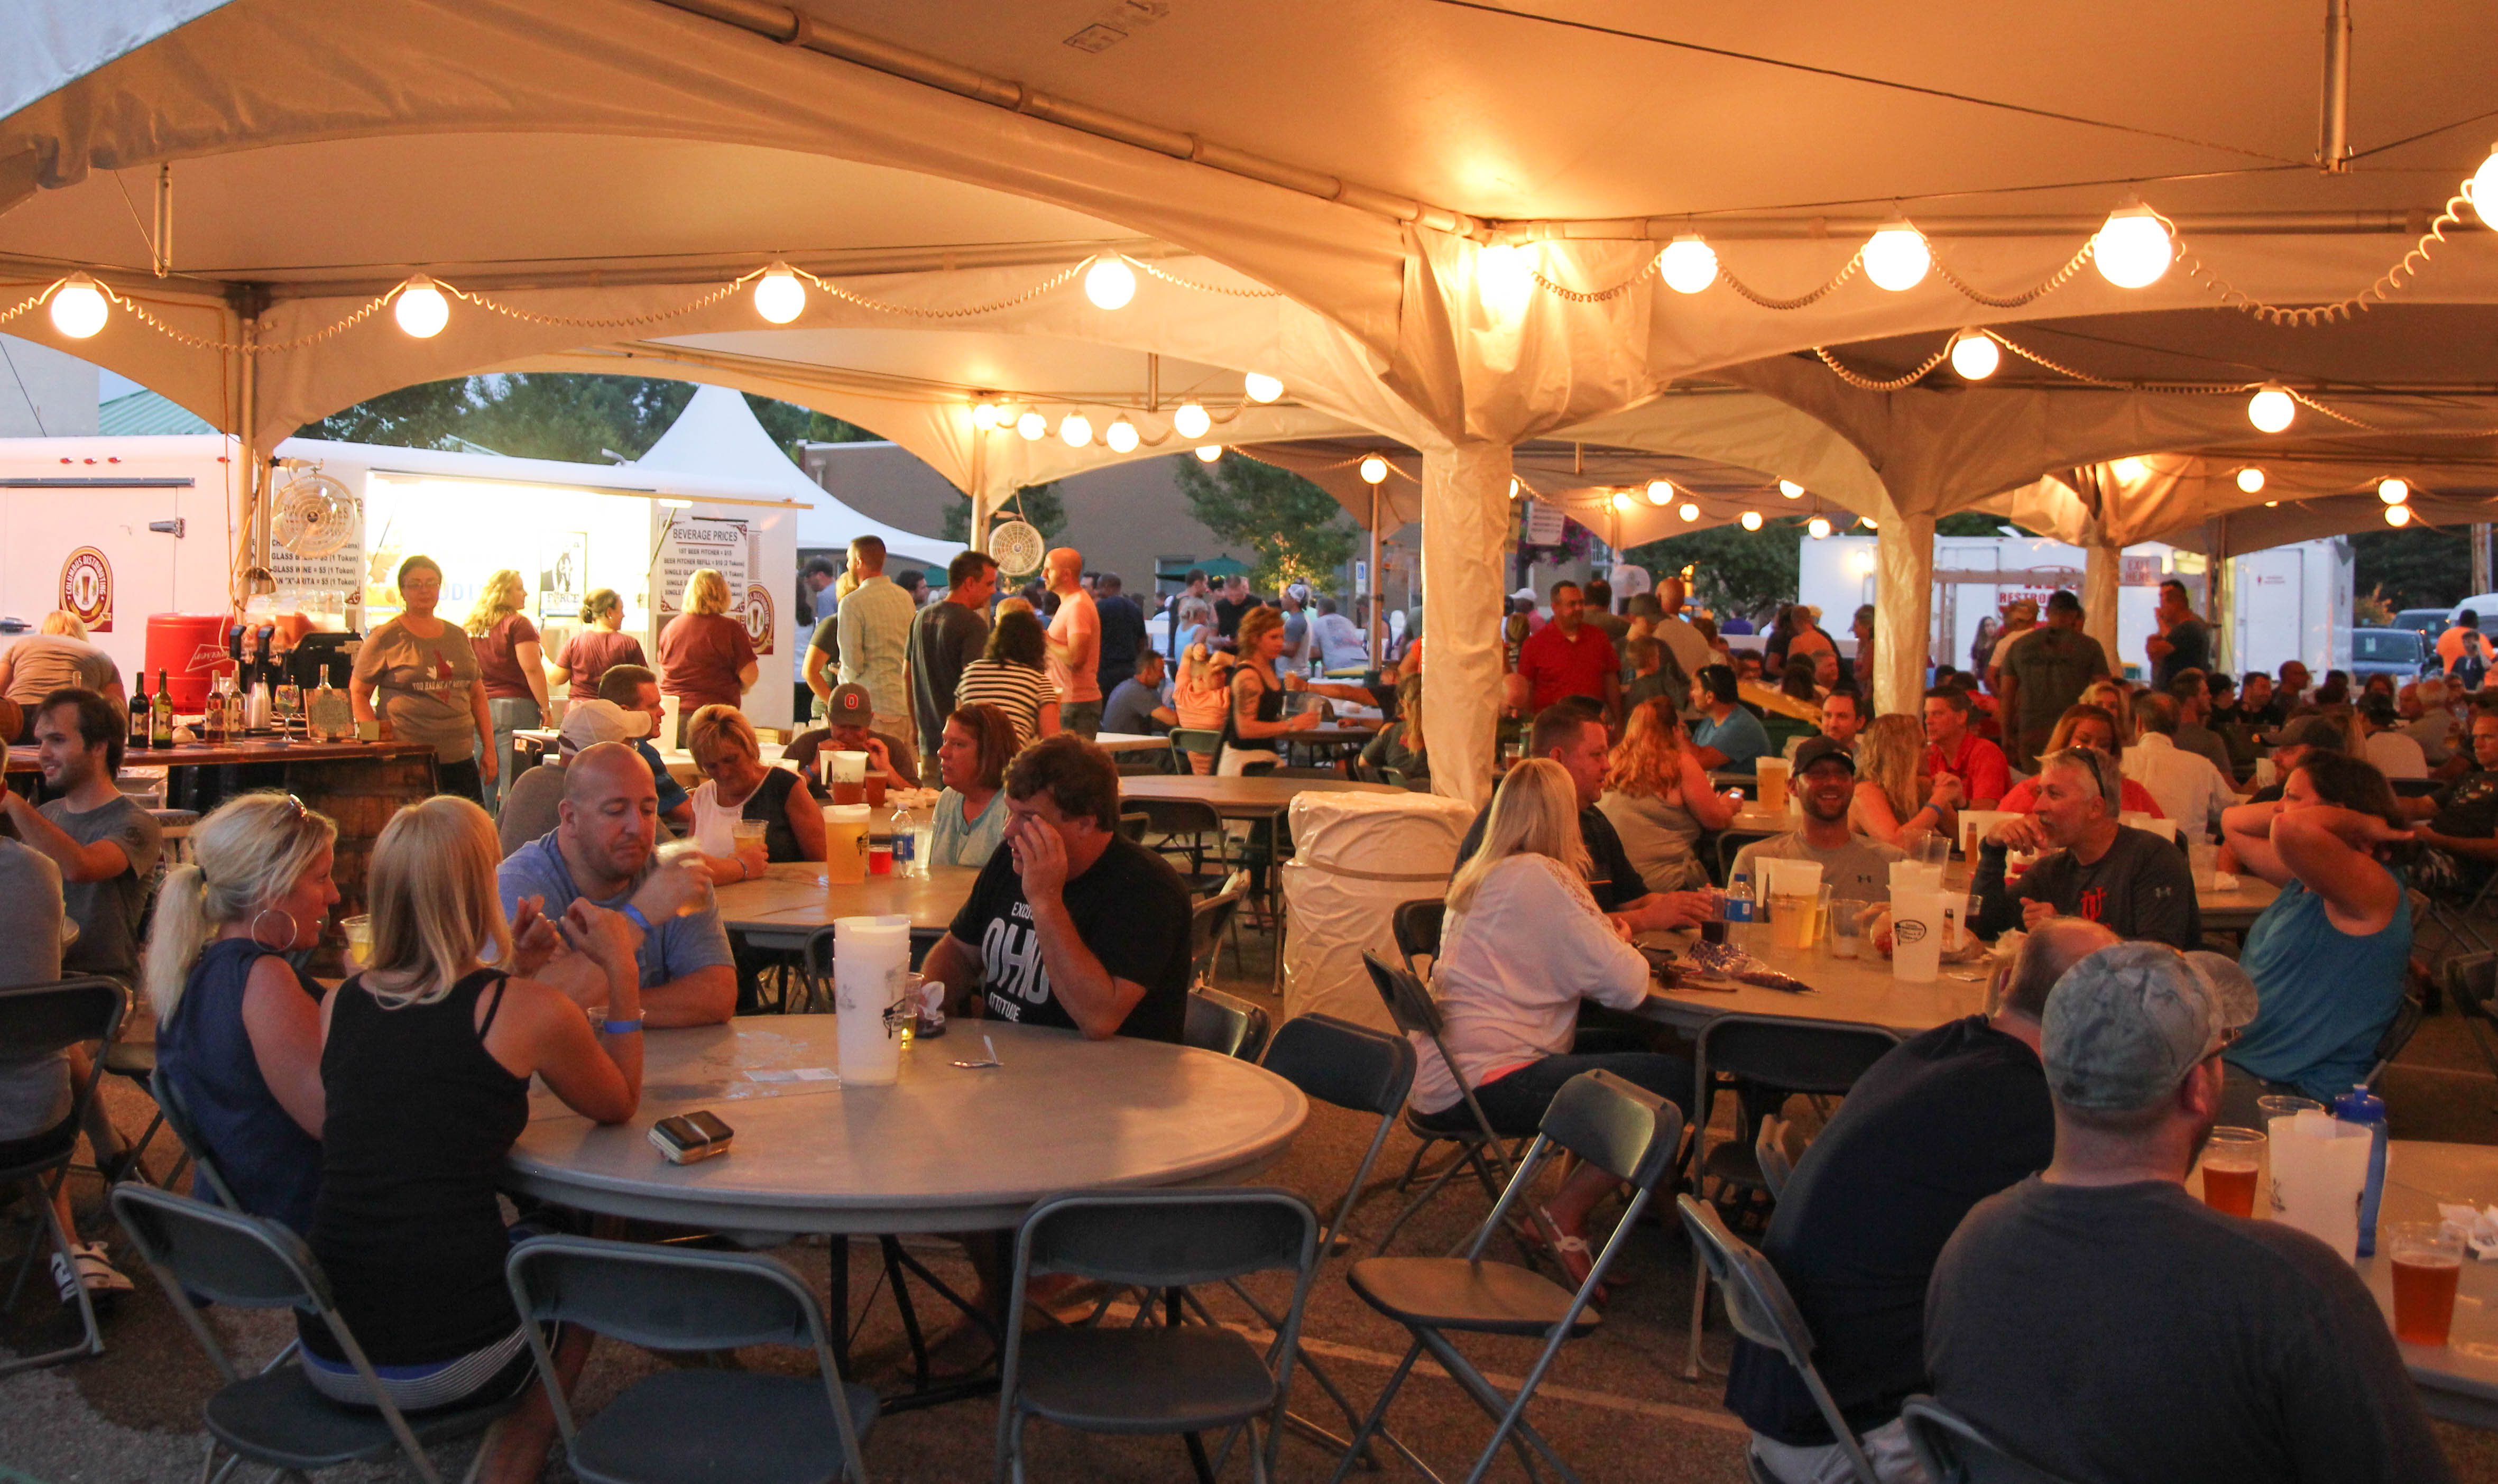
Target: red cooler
[(191, 648)]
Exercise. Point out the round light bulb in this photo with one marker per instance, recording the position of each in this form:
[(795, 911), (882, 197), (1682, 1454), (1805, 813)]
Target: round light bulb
[(1818, 527), (2271, 409), (1790, 489), (1689, 511), (1513, 486), (1974, 355), (1075, 430), (1897, 257), (1189, 420), (1860, 562), (1752, 519), (2484, 187), (1032, 425), (1110, 283), (2133, 249), (80, 308), (1622, 500), (1121, 434), (1868, 522), (1374, 468), (421, 309), (984, 415), (1209, 453), (2272, 504), (2398, 515), (778, 296), (2130, 468), (1504, 275), (1659, 492), (1687, 264), (2393, 492), (2251, 480), (1261, 387)]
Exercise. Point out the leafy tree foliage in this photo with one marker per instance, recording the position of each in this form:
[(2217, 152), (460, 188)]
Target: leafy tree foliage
[(579, 419), (1039, 503), (1734, 571), (2415, 567), (1298, 530)]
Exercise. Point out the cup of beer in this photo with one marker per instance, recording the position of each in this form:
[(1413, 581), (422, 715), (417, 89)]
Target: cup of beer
[(1772, 774), (2428, 1262), (359, 933), (2232, 1159)]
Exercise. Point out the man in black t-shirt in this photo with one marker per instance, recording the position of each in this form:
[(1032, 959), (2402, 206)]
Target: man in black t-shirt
[(1228, 609), (2462, 819), (945, 637), (2135, 882), (1071, 926)]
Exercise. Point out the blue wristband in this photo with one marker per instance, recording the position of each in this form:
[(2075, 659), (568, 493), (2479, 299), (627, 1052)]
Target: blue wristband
[(622, 1027), (633, 914)]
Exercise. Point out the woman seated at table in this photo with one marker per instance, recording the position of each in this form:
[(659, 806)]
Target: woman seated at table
[(1201, 695), (426, 1063), (2112, 698), (237, 1031), (971, 812), (1011, 675), (2083, 725), (1888, 788), (1399, 743), (1256, 719), (1659, 799), (1523, 943), (738, 785)]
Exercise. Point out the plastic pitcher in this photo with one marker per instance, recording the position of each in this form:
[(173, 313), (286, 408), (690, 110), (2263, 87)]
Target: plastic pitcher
[(1917, 923), (846, 776), (870, 967), (1795, 902), (2320, 1166), (846, 845)]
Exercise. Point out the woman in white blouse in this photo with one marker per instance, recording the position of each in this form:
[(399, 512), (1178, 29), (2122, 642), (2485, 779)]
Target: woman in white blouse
[(1522, 944)]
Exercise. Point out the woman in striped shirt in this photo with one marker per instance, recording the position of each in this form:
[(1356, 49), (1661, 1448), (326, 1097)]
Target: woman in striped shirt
[(1009, 676)]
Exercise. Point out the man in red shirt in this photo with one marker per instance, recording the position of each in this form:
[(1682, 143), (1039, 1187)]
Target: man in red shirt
[(1571, 657), (1953, 748)]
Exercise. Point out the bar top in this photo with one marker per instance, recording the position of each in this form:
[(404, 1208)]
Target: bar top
[(252, 750)]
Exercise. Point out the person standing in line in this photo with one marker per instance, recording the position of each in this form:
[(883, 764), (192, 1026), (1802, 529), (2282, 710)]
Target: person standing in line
[(874, 627), (2020, 617), (56, 657), (1232, 605), (513, 667), (706, 656), (1123, 632), (1340, 640), (916, 583), (1690, 650), (2183, 642), (813, 579), (1176, 637), (946, 637), (601, 645), (1600, 614), (2042, 675), (423, 671), (2464, 653), (1074, 645), (1013, 675), (1299, 641)]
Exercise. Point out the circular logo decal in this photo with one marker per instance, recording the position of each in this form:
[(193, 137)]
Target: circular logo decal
[(86, 588), (759, 617), (1908, 930)]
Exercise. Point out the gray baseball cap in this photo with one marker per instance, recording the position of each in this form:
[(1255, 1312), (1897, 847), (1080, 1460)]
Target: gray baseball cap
[(2125, 1025)]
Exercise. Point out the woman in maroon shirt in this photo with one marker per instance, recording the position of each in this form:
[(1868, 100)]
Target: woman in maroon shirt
[(705, 656), (511, 663), (597, 648)]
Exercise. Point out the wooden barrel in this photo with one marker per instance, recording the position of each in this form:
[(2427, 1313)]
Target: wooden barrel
[(362, 794)]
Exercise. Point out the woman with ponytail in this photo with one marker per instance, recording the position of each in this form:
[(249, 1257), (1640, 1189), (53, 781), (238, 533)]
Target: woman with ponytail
[(236, 1030)]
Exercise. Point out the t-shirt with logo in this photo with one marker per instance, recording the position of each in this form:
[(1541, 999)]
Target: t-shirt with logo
[(1130, 909), (421, 686)]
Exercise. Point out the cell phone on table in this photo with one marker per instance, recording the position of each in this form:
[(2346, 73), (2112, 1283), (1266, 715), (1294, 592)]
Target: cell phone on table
[(686, 1137)]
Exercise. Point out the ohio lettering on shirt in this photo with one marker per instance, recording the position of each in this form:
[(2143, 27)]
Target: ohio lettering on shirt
[(1010, 955)]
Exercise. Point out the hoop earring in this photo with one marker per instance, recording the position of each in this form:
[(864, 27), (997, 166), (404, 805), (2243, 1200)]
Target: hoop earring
[(286, 944)]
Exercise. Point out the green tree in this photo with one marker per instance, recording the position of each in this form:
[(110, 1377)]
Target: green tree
[(575, 418), (2415, 567), (1039, 502), (427, 415), (1298, 530), (792, 425), (1734, 571)]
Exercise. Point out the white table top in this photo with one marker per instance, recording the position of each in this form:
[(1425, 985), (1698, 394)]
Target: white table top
[(943, 1149), (1861, 991), (792, 896)]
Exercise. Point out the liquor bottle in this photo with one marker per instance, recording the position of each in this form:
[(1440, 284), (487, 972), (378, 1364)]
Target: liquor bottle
[(160, 713), (286, 698), (139, 714), (213, 726)]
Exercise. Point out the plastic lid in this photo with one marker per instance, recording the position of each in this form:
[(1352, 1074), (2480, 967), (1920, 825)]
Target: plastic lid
[(847, 814)]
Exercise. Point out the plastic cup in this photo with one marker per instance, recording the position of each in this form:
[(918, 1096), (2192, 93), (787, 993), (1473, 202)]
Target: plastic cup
[(358, 932), (2285, 1106), (846, 845), (846, 776), (1846, 927), (2204, 861), (1772, 774), (879, 858), (874, 783), (749, 833), (2428, 1262), (2232, 1160), (1917, 918)]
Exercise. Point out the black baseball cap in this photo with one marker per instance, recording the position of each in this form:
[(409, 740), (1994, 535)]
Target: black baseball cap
[(1814, 750), (2317, 733)]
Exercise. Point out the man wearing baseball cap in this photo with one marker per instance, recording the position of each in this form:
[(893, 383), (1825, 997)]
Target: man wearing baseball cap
[(849, 721), (2314, 733), (2100, 1323), (1854, 867)]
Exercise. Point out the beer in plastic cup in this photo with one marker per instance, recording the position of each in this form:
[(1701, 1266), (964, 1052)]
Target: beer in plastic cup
[(2428, 1262), (874, 783), (1772, 774), (2232, 1159), (749, 835), (846, 845), (359, 933)]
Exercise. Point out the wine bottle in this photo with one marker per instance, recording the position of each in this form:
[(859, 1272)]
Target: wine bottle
[(140, 713), (160, 714)]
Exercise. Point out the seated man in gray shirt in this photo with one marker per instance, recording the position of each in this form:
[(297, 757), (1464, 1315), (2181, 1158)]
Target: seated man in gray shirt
[(1136, 705), (105, 845), (1854, 867), (2100, 1323), (2135, 882), (603, 851)]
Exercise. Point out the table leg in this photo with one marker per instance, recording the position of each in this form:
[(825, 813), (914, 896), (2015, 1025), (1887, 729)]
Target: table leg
[(837, 1301)]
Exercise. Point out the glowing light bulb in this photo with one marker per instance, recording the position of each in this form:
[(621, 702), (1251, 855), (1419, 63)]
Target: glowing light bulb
[(2130, 468), (1075, 430), (1189, 420), (1687, 264), (1121, 434), (778, 296), (1374, 468), (1897, 257), (1110, 283), (420, 309), (1860, 562), (1209, 453), (2393, 492), (1032, 425), (1504, 275), (1622, 500), (1790, 489), (1868, 523), (2272, 504), (2251, 480), (984, 415), (1689, 511), (1513, 486), (2271, 409), (2134, 249), (1752, 519), (1974, 356), (80, 308), (1818, 527), (1261, 387), (1659, 492), (2398, 515), (2484, 187)]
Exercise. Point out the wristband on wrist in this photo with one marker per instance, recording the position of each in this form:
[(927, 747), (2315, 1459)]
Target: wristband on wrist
[(633, 914), (622, 1027)]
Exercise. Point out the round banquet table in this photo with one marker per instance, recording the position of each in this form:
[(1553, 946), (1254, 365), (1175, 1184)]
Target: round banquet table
[(943, 1150), (792, 901), (1255, 796)]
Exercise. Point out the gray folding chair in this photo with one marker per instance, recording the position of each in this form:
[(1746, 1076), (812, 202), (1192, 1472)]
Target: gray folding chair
[(1156, 1378), (41, 1020), (2409, 1012), (1415, 1012), (1769, 1152), (1224, 1023), (1184, 826), (1415, 926), (1209, 919), (2472, 983), (1954, 1452), (174, 1106), (276, 1418), (682, 1426), (1764, 1312), (1605, 1120)]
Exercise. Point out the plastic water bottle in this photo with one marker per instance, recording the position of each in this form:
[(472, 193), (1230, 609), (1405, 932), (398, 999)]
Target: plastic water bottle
[(2364, 1107), (906, 852), (1741, 912)]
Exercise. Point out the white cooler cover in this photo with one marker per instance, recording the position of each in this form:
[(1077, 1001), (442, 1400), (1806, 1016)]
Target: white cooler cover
[(1356, 856)]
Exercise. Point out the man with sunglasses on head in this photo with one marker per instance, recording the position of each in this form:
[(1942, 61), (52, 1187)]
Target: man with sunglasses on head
[(2134, 881), (105, 845)]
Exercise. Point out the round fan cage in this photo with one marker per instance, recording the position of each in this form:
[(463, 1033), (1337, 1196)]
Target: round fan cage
[(1016, 547), (312, 516)]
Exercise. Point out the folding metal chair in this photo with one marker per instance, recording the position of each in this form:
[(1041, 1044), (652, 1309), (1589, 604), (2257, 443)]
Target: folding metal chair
[(692, 1424), (1133, 823), (1225, 1023), (1954, 1452), (1185, 826), (1769, 1152), (2409, 1012), (1159, 1379), (275, 1418), (2472, 983), (1193, 741), (1209, 919), (41, 1020), (1415, 926), (1415, 1012), (1606, 1121), (174, 1108), (1764, 1312)]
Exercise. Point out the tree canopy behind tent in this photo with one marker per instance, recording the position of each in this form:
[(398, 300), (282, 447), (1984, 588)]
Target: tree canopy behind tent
[(2417, 568), (1297, 529), (1038, 503), (580, 419)]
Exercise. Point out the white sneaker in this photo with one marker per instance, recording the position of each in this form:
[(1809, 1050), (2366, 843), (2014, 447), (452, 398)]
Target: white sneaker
[(92, 1269)]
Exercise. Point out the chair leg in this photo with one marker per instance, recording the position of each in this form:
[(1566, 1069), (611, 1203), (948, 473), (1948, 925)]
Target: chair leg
[(1699, 1311), (1198, 1460), (1379, 1415), (93, 1345), (1499, 1408)]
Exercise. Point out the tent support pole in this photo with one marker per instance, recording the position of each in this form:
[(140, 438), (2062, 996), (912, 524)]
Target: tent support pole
[(1377, 588), (1465, 514), (2102, 571), (2481, 564), (2220, 594), (1903, 599)]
